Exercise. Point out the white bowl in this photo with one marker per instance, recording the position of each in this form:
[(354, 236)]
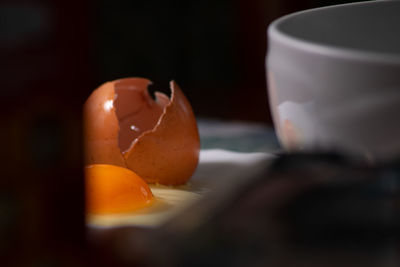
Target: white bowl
[(334, 78)]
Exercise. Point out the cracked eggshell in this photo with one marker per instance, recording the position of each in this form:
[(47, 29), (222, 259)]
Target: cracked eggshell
[(101, 128), (157, 139)]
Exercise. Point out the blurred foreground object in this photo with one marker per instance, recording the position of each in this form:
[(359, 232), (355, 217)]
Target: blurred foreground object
[(305, 209), (45, 70)]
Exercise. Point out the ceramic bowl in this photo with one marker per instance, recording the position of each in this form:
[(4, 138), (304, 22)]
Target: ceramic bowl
[(334, 78)]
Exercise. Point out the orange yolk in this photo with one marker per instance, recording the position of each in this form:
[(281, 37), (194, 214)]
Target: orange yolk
[(113, 189)]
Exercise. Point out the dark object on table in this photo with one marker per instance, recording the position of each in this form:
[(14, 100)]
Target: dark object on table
[(305, 209)]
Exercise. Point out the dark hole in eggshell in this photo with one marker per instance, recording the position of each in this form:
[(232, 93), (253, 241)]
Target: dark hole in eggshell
[(137, 111)]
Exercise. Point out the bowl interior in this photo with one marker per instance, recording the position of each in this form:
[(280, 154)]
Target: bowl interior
[(369, 26)]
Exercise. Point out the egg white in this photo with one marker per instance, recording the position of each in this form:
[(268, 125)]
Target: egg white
[(168, 202)]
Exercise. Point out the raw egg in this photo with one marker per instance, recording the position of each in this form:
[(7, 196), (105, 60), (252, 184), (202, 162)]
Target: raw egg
[(113, 189), (155, 138), (168, 202)]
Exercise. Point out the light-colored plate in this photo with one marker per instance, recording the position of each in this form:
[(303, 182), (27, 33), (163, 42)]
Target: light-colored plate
[(217, 169)]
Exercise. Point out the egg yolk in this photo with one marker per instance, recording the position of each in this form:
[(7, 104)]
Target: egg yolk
[(113, 189)]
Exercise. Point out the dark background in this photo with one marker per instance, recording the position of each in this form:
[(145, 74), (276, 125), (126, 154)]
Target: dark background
[(53, 54), (214, 49)]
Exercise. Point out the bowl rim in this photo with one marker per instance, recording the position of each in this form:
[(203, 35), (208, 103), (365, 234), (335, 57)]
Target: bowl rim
[(314, 47)]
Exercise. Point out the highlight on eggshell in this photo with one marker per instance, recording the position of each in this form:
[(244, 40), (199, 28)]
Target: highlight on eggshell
[(113, 189), (155, 138)]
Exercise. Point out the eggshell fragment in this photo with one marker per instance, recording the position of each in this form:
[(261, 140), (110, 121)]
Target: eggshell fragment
[(169, 153), (157, 139), (101, 128)]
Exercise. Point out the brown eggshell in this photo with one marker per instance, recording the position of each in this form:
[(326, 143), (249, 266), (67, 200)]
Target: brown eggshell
[(101, 128), (169, 153), (158, 139)]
